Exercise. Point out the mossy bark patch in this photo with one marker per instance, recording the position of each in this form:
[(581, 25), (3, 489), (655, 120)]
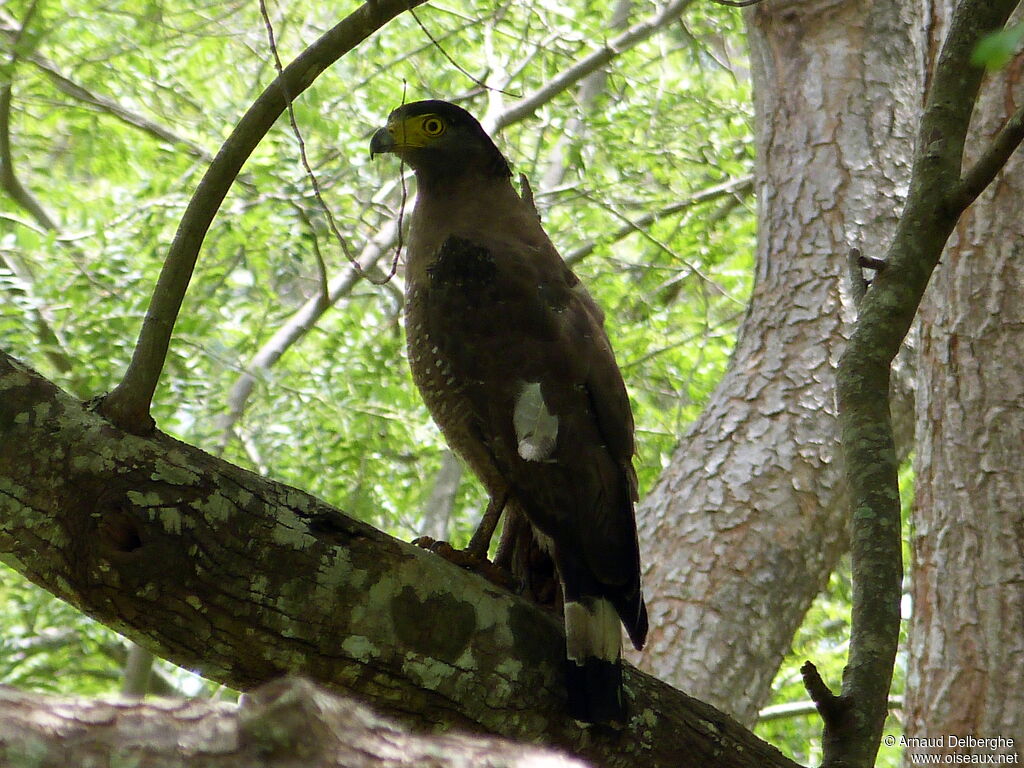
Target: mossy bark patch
[(439, 625)]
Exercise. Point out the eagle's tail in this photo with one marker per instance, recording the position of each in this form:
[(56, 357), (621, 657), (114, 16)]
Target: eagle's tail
[(593, 644)]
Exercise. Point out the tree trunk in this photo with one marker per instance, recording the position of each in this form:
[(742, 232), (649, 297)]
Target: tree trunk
[(966, 654), (243, 579), (747, 523)]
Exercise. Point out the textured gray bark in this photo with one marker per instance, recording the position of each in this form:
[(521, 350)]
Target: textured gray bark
[(220, 570), (745, 526), (966, 654)]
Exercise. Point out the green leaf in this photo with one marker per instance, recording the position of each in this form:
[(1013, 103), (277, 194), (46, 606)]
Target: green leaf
[(995, 50)]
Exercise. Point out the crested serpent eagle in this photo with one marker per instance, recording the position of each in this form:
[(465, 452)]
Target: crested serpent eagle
[(510, 354)]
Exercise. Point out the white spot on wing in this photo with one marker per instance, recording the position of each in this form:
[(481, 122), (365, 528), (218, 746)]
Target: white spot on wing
[(536, 427)]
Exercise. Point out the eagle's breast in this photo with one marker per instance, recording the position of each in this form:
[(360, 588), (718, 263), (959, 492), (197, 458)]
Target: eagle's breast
[(450, 317)]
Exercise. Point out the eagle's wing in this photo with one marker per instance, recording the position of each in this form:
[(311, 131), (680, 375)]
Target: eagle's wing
[(537, 373)]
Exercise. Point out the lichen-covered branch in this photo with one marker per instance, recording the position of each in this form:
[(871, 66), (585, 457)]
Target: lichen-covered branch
[(934, 203), (278, 723), (244, 579)]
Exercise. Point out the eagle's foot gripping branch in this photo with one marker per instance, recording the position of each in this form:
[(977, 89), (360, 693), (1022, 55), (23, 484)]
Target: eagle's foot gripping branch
[(468, 560)]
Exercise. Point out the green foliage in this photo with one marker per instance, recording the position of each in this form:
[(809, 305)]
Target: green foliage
[(996, 49), (337, 414), (43, 637)]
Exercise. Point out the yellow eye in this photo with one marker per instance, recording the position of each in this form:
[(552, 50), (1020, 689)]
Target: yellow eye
[(433, 126)]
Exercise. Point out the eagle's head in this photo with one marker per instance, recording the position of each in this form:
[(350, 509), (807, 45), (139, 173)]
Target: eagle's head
[(438, 139)]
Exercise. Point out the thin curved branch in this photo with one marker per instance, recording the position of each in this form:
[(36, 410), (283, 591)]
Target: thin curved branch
[(934, 204), (52, 343), (129, 403)]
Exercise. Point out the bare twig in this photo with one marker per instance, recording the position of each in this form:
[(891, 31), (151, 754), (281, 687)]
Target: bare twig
[(936, 199), (834, 711), (858, 283), (736, 3), (129, 403), (569, 77), (433, 41)]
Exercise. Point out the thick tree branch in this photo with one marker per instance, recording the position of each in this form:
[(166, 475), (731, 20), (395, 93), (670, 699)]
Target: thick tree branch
[(128, 404), (220, 570), (934, 203), (279, 723)]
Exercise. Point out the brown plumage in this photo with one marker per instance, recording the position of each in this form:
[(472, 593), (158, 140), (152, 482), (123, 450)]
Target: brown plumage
[(510, 354)]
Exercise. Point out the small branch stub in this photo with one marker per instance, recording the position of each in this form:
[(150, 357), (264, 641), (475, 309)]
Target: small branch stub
[(835, 713)]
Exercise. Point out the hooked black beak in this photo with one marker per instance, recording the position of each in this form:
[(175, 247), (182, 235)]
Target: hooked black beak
[(381, 142)]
